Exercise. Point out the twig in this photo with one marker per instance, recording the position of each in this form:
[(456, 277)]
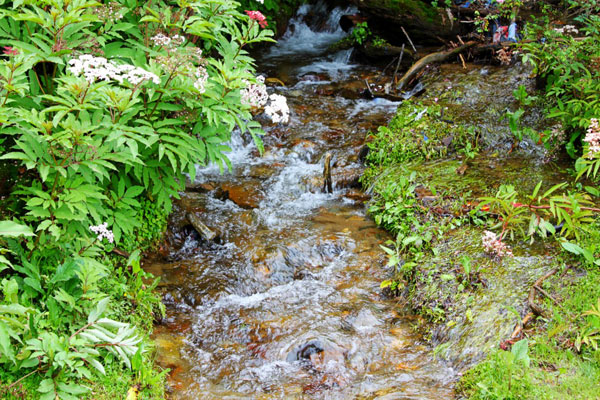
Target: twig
[(369, 88), (532, 207), (327, 182), (521, 325), (531, 299), (463, 61), (23, 377), (409, 41), (542, 291), (398, 65)]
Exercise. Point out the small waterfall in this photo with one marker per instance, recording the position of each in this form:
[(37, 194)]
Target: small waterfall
[(311, 36)]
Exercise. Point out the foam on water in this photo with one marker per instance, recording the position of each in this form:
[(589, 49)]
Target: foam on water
[(302, 39)]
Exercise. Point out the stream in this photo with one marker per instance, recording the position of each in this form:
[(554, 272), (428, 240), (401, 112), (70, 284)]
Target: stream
[(286, 302)]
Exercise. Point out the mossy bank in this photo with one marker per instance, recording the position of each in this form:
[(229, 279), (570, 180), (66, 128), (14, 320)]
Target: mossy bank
[(427, 171)]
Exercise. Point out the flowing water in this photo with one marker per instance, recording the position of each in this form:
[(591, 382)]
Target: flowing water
[(286, 302)]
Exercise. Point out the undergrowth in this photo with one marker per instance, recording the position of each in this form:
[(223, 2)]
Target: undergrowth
[(565, 361)]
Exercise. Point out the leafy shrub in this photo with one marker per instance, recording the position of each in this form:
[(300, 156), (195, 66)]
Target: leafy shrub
[(569, 68), (107, 108)]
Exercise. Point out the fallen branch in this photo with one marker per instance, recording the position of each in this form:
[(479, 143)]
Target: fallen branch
[(521, 325), (537, 310), (548, 295), (429, 59)]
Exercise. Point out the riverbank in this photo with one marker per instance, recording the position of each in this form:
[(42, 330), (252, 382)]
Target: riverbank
[(427, 172)]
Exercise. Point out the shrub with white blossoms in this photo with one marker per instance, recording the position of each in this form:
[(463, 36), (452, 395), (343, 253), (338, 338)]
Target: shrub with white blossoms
[(99, 68), (275, 106), (494, 245), (168, 42), (103, 232), (201, 75), (255, 94), (277, 109), (567, 29)]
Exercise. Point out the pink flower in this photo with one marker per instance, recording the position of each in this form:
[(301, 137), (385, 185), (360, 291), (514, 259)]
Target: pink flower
[(258, 17), (10, 51), (494, 245)]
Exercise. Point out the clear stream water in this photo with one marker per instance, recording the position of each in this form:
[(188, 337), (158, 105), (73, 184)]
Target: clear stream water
[(286, 304)]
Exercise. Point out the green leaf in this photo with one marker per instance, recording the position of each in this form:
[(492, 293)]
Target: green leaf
[(5, 347), (12, 229), (519, 350), (99, 310)]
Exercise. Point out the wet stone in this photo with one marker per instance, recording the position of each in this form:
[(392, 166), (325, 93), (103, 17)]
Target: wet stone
[(246, 195)]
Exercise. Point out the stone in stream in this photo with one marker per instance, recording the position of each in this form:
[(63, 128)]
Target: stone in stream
[(246, 195), (204, 231)]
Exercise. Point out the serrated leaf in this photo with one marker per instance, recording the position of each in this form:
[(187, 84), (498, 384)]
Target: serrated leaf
[(99, 310), (12, 229)]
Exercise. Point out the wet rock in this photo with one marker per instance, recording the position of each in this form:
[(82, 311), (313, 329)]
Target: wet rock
[(204, 231), (202, 187), (246, 195), (314, 77), (305, 149), (362, 154), (305, 351), (347, 178), (357, 195), (262, 172), (191, 202)]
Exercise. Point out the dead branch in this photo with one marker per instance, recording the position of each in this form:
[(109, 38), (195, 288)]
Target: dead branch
[(538, 310), (429, 59)]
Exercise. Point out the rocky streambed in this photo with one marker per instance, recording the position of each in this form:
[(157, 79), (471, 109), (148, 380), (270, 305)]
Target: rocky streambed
[(285, 300)]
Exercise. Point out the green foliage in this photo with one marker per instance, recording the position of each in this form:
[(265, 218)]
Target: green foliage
[(417, 131), (514, 117), (544, 214), (569, 67), (564, 362), (105, 145), (502, 376), (361, 33), (274, 10)]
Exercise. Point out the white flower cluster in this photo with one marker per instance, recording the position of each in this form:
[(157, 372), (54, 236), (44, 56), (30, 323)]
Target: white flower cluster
[(592, 137), (110, 12), (277, 109), (166, 41), (260, 1), (99, 68), (495, 246), (567, 29), (255, 94), (103, 232), (201, 78)]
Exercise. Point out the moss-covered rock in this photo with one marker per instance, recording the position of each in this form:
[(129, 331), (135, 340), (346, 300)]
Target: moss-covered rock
[(425, 23)]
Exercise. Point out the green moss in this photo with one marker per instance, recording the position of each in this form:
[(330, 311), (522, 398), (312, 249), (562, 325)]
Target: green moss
[(420, 9), (416, 132)]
